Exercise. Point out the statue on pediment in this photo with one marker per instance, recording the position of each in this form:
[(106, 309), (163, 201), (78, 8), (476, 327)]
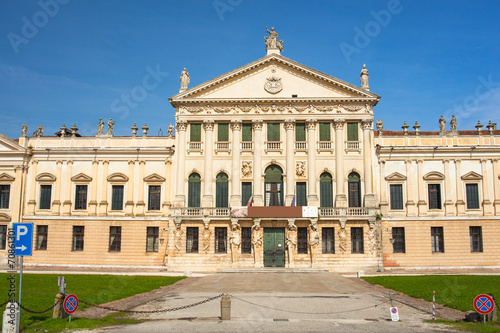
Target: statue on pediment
[(364, 77), (24, 130), (442, 124), (453, 123), (100, 127), (39, 131), (184, 79), (111, 125), (272, 41)]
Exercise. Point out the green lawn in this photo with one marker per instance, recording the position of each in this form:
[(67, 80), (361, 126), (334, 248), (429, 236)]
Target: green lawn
[(39, 291)]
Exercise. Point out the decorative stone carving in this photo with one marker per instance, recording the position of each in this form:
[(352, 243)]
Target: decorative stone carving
[(236, 125), (208, 125), (291, 241), (339, 123), (184, 79), (145, 129), (236, 109), (289, 124), (272, 41), (257, 241), (380, 126), (24, 130), (100, 127), (479, 127), (39, 131), (405, 128), (206, 238), (181, 125), (491, 127), (134, 130), (246, 169), (111, 125), (273, 85), (300, 168), (311, 109), (372, 239), (311, 123), (257, 124), (256, 109), (342, 233), (170, 130), (416, 127), (364, 77), (453, 124), (442, 125), (178, 237), (366, 124)]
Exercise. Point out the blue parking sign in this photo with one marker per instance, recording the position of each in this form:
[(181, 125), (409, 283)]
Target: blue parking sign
[(23, 239)]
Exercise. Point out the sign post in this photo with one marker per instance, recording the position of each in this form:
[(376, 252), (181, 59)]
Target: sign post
[(484, 305), (70, 304), (23, 246)]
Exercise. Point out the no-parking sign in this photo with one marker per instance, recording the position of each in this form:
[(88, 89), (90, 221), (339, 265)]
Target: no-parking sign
[(70, 303), (484, 304), (394, 314)]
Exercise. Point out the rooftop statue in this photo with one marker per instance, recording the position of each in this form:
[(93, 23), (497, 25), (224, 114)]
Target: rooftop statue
[(453, 124), (184, 79), (364, 77), (272, 41), (442, 124)]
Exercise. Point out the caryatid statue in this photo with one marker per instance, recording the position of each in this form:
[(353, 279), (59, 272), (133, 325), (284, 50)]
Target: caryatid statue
[(184, 79), (364, 77)]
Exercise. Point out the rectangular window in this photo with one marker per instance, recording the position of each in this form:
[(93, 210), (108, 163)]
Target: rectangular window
[(78, 233), (324, 132), (398, 236), (195, 133), (117, 197), (396, 196), (152, 239), (41, 237), (434, 196), (352, 132), (223, 132), (3, 237), (300, 132), (81, 197), (192, 240), (154, 197), (302, 240), (246, 192), (357, 240), (273, 132), (301, 194), (246, 132), (115, 239), (220, 240), (4, 196), (45, 196), (437, 239), (328, 240), (476, 239), (472, 196), (246, 240)]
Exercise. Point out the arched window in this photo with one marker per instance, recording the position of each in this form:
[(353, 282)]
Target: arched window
[(326, 190), (221, 190), (274, 186), (194, 190), (354, 190)]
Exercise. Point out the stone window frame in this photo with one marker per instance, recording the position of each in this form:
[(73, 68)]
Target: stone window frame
[(6, 179), (435, 177), (81, 179), (154, 179), (44, 178), (472, 178), (117, 179), (396, 178)]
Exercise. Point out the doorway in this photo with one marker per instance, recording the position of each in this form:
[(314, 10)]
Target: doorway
[(274, 247)]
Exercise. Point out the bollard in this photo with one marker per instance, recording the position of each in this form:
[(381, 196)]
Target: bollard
[(59, 309), (225, 307), (10, 323)]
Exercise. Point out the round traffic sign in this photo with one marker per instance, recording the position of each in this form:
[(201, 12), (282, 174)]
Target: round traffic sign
[(484, 304), (394, 310), (70, 303)]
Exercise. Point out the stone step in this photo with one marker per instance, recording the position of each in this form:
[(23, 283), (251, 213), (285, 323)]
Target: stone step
[(274, 270)]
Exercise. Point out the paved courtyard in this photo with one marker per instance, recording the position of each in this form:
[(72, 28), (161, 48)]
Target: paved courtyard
[(278, 302)]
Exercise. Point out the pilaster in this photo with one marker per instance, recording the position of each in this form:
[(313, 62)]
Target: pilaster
[(67, 200), (384, 205), (422, 204), (370, 200), (103, 205), (56, 204), (235, 199), (208, 199), (32, 199), (312, 197), (487, 204), (180, 152), (257, 163), (93, 191), (290, 159), (129, 204), (410, 203), (460, 194), (340, 198), (448, 203), (496, 175), (140, 206)]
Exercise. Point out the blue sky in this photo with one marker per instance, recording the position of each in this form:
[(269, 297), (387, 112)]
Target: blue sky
[(72, 62)]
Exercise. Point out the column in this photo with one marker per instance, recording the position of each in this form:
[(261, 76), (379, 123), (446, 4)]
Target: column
[(312, 197), (496, 187), (487, 206), (67, 201), (140, 206), (448, 203), (56, 204), (103, 205), (410, 203), (208, 198), (367, 165), (129, 204), (17, 192), (257, 163), (422, 204), (290, 159), (459, 188), (32, 200), (235, 169), (168, 175), (384, 205), (180, 152), (340, 198), (93, 191)]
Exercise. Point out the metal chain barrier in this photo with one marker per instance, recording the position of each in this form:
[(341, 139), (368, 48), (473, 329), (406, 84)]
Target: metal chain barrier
[(156, 311), (28, 310), (5, 303)]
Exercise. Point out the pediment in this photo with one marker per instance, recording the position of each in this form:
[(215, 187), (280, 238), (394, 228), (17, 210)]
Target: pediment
[(7, 144), (434, 175), (395, 176), (46, 177), (472, 176), (154, 178), (6, 178), (293, 82), (81, 177), (4, 217), (117, 177)]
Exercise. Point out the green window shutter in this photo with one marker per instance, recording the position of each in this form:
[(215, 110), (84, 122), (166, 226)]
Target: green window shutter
[(221, 190), (326, 190), (273, 132), (195, 133), (246, 192), (352, 132), (324, 132), (45, 196), (223, 132), (117, 197), (300, 132), (301, 195), (246, 132), (194, 190)]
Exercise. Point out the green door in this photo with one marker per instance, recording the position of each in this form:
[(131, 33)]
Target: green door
[(274, 247)]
